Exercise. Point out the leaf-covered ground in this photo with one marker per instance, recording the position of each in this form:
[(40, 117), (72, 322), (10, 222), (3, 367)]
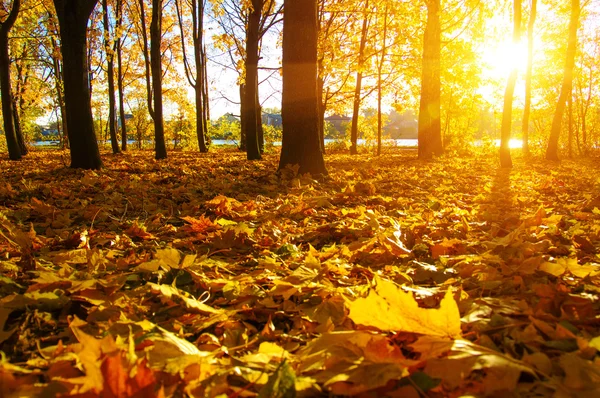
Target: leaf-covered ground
[(206, 276)]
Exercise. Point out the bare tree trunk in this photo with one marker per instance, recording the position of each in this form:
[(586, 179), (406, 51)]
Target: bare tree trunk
[(251, 92), (118, 48), (570, 136), (160, 148), (528, 75), (73, 16), (359, 76), (506, 129), (567, 84), (242, 119), (110, 71), (301, 144), (14, 149), (430, 129), (379, 82)]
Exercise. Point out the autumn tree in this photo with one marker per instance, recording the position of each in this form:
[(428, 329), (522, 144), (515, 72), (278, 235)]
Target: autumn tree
[(109, 49), (528, 76), (430, 134), (505, 131), (160, 148), (73, 18), (198, 77), (567, 83), (359, 76), (251, 80), (7, 21), (300, 144), (244, 25), (120, 73)]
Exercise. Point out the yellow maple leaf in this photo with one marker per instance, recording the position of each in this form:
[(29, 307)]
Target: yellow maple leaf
[(389, 308)]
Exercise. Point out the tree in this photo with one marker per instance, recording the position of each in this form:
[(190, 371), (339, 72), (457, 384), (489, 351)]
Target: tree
[(73, 18), (110, 71), (197, 79), (300, 144), (359, 77), (505, 130), (380, 64), (120, 85), (567, 83), (528, 76), (251, 91), (6, 24), (430, 134), (160, 148)]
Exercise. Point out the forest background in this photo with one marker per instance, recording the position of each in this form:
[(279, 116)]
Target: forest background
[(361, 44)]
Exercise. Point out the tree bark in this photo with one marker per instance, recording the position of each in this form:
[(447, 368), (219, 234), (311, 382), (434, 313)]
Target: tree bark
[(505, 130), (300, 144), (379, 79), (243, 120), (567, 83), (73, 18), (251, 92), (118, 50), (110, 71), (359, 76), (198, 80), (528, 76), (198, 34), (14, 149), (430, 129), (160, 148)]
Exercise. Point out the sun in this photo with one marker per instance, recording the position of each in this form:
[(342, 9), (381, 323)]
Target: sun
[(499, 59)]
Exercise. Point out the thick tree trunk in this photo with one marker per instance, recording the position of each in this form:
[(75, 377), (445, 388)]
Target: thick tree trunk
[(430, 129), (528, 76), (567, 83), (73, 18), (14, 149), (505, 130), (112, 117), (359, 76), (160, 148), (252, 38), (300, 108)]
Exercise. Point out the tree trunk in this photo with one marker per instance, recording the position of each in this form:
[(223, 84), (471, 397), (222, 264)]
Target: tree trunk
[(73, 18), (505, 130), (110, 71), (252, 38), (118, 49), (260, 133), (379, 73), (430, 129), (528, 75), (301, 144), (160, 148), (198, 34), (322, 107), (567, 83), (14, 149), (242, 118), (570, 125), (359, 76)]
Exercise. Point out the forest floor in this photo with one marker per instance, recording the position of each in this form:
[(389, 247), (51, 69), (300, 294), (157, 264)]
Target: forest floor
[(205, 275)]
